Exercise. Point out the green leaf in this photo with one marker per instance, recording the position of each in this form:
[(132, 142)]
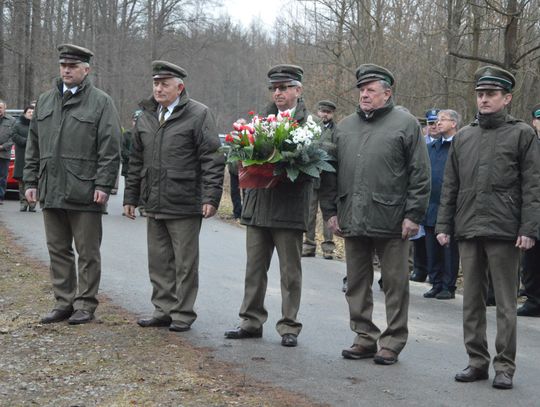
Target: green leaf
[(292, 173)]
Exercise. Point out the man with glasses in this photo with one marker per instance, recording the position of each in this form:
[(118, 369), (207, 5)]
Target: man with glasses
[(442, 261), (276, 218), (489, 204)]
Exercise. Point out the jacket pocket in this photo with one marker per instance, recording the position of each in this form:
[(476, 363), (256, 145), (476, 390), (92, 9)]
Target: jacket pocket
[(248, 206), (344, 213), (290, 202), (386, 212), (43, 114), (144, 191), (181, 186), (42, 181), (80, 182)]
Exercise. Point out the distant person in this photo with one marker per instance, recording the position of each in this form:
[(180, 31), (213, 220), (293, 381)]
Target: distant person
[(6, 126), (376, 201), (420, 257), (325, 112), (72, 158), (275, 219), (443, 261), (235, 191), (176, 173), (489, 204), (19, 137), (531, 258), (432, 132)]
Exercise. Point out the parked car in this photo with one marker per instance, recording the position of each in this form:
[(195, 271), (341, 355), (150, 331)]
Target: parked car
[(12, 184)]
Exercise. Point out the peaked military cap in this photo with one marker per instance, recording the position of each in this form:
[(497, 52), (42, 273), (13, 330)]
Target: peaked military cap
[(73, 54), (285, 73), (164, 70), (431, 115), (326, 105), (371, 72), (493, 77), (536, 111)]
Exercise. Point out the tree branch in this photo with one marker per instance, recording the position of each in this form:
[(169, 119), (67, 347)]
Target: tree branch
[(480, 59)]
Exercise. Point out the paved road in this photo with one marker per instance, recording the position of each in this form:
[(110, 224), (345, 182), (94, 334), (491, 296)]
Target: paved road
[(423, 376)]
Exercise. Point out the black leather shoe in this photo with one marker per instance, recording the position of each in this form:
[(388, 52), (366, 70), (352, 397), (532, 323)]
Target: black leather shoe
[(289, 340), (445, 295), (432, 293), (153, 322), (415, 276), (56, 315), (177, 327), (502, 380), (357, 352), (528, 310), (240, 333), (471, 374), (80, 316)]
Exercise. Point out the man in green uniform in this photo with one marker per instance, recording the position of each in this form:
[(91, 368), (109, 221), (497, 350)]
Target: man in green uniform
[(376, 200), (176, 173), (72, 158), (276, 218), (325, 111), (489, 203)]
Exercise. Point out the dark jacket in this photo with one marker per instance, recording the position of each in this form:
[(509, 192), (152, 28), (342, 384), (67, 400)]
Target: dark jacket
[(175, 168), (328, 140), (438, 154), (6, 126), (383, 174), (287, 204), (491, 182), (19, 137), (127, 141), (73, 148)]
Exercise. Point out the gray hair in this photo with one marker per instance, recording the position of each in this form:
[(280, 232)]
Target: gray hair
[(453, 115), (3, 102), (385, 85), (178, 80)]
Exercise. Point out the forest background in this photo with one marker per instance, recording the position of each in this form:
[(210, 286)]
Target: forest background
[(433, 47)]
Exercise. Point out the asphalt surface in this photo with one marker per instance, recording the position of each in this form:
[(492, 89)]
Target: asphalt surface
[(422, 377)]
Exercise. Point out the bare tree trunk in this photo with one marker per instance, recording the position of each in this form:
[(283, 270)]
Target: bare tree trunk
[(2, 78)]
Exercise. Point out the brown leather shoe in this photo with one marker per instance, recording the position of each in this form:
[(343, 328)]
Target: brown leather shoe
[(385, 357), (179, 327), (358, 352), (56, 315), (471, 374), (153, 322), (80, 316), (240, 333), (503, 380)]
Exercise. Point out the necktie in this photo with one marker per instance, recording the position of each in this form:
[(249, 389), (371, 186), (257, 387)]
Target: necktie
[(162, 116), (67, 95)]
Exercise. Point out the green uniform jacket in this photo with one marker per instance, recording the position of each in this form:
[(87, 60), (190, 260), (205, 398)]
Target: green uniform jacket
[(73, 149), (328, 140), (383, 174), (6, 126), (175, 168), (492, 181), (19, 137), (287, 204)]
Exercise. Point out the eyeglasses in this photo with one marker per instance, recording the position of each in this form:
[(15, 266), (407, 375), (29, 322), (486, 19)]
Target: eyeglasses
[(281, 88), (444, 119)]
